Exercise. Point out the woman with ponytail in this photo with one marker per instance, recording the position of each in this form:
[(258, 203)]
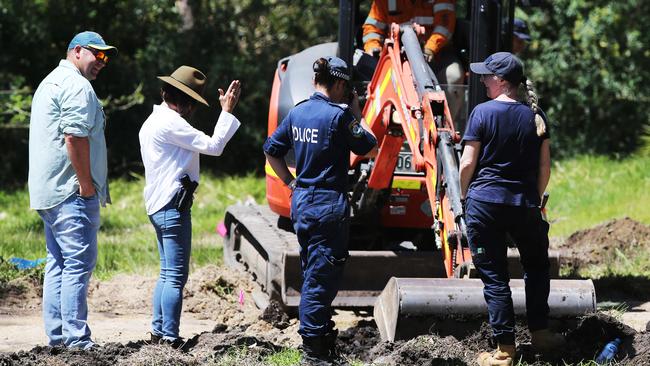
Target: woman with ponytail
[(504, 170), (322, 131)]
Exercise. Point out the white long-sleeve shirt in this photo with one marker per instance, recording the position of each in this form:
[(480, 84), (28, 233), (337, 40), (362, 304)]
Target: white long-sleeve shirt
[(170, 148)]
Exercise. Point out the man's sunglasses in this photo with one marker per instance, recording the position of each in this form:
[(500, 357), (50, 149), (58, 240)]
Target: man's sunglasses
[(99, 55)]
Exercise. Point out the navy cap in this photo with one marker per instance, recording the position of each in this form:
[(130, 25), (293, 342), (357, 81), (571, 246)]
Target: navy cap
[(520, 29), (502, 64), (337, 68), (90, 39)]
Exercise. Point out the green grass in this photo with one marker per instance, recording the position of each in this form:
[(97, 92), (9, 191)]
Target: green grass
[(584, 192), (590, 190), (285, 357), (126, 239)]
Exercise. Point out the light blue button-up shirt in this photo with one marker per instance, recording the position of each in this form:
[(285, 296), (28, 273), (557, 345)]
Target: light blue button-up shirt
[(64, 104)]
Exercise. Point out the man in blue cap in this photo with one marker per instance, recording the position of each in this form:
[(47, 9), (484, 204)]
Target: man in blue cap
[(520, 36), (68, 183), (322, 131)]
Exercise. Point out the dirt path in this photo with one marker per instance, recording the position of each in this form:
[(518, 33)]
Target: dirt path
[(24, 331)]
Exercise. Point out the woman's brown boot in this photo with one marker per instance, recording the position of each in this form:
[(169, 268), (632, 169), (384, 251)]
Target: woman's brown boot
[(503, 356)]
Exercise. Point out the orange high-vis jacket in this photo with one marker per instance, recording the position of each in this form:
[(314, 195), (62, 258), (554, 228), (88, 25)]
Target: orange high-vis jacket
[(437, 16)]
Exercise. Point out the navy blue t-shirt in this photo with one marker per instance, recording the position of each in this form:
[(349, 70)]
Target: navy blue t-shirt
[(508, 161), (322, 134)]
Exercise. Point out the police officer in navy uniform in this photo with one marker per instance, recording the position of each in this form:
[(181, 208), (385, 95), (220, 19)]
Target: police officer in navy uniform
[(504, 170), (322, 130)]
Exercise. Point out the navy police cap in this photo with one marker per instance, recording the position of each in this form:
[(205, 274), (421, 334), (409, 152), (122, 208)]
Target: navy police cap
[(337, 67), (502, 64)]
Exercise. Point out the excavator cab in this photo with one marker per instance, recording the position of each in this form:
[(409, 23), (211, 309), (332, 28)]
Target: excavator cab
[(409, 258)]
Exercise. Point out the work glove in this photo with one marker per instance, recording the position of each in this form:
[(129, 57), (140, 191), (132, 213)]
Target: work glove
[(428, 54)]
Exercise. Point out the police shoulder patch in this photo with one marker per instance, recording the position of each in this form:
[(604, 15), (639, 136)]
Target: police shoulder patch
[(343, 106), (355, 129)]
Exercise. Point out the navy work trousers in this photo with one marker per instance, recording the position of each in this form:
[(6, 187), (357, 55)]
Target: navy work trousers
[(487, 225), (321, 221)]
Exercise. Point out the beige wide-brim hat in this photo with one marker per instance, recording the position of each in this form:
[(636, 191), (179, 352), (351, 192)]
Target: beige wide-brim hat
[(188, 80)]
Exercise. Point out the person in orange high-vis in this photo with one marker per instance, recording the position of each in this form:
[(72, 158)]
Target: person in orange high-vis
[(438, 17)]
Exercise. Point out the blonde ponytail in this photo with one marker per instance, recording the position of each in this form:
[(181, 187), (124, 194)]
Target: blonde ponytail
[(532, 103)]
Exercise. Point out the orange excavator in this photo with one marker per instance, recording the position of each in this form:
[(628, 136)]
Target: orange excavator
[(409, 258)]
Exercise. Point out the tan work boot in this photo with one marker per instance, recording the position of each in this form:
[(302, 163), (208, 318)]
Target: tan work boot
[(545, 341), (503, 356)]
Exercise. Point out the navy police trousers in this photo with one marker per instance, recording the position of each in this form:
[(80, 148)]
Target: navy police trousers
[(321, 220), (487, 225)]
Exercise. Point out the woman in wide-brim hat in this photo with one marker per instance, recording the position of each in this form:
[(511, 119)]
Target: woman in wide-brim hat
[(170, 149)]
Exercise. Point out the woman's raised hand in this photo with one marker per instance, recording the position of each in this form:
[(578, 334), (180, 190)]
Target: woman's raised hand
[(229, 99)]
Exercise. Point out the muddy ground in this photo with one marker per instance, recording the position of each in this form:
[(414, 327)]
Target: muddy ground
[(241, 334)]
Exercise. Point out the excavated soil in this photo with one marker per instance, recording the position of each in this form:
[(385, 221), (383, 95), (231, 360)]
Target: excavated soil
[(603, 243), (245, 335), (360, 343)]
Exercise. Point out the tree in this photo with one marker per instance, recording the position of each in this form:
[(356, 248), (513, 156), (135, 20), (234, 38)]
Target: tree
[(226, 39), (590, 61)]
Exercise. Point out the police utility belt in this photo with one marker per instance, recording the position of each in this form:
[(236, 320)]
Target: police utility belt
[(184, 198)]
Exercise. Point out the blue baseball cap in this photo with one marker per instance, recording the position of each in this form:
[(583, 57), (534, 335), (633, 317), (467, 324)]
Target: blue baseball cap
[(90, 39), (337, 67), (502, 64), (520, 29)]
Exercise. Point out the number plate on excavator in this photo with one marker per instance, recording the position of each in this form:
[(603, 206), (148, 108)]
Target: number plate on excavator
[(405, 163)]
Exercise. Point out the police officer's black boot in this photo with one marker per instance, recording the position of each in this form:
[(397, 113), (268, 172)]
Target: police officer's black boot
[(315, 352), (330, 344)]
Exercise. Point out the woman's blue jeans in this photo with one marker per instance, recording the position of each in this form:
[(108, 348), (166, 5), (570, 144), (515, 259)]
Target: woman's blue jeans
[(487, 225), (174, 235)]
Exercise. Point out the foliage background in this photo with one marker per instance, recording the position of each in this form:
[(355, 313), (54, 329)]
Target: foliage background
[(226, 39), (590, 60)]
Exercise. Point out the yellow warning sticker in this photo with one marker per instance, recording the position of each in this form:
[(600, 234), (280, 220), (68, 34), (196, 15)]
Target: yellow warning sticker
[(406, 184)]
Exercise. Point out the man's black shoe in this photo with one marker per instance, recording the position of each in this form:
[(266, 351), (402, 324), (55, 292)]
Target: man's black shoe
[(155, 339), (94, 347), (177, 343)]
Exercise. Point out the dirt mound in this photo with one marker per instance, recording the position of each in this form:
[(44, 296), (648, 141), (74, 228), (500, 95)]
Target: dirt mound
[(220, 294), (600, 244), (123, 294), (20, 289), (583, 343), (110, 354), (274, 315), (360, 341), (208, 348), (21, 294)]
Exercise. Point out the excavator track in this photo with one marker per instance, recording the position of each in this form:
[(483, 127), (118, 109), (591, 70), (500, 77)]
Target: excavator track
[(255, 243)]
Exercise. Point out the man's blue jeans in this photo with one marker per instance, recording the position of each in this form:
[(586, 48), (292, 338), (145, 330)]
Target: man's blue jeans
[(174, 235), (71, 242)]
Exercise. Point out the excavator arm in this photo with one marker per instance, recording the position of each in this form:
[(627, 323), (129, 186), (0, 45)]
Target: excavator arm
[(405, 102)]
